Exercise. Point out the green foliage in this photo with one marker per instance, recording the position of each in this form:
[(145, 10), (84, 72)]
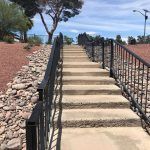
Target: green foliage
[(60, 10), (31, 7), (35, 40), (8, 39), (147, 39), (68, 40), (12, 19), (140, 39), (119, 40), (131, 40)]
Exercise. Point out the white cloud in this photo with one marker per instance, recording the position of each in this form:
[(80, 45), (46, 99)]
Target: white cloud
[(91, 32), (74, 31)]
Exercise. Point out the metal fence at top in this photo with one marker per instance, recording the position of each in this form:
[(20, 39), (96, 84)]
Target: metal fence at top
[(44, 38), (131, 72)]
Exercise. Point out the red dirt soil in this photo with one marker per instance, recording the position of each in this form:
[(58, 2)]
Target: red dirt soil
[(12, 58), (143, 50)]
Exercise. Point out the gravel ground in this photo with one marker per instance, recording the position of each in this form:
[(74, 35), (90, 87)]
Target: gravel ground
[(142, 50), (17, 103), (12, 58)]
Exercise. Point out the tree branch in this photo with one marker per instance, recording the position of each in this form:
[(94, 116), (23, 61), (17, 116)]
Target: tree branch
[(51, 16), (44, 23)]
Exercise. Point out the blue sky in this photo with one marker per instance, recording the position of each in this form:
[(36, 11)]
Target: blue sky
[(102, 17)]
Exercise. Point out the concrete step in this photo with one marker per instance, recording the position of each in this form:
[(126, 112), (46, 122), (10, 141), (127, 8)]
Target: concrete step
[(71, 46), (80, 65), (74, 54), (112, 138), (94, 101), (85, 72), (75, 58), (90, 89), (73, 49), (99, 118), (86, 80)]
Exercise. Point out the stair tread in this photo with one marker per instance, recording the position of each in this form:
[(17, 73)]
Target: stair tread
[(94, 99), (90, 87), (98, 114), (84, 78), (80, 63), (83, 70)]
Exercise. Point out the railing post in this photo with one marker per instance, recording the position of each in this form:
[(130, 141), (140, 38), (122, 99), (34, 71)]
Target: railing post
[(31, 136), (93, 59), (111, 58), (103, 54)]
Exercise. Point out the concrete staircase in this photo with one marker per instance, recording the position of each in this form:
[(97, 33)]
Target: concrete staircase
[(95, 115)]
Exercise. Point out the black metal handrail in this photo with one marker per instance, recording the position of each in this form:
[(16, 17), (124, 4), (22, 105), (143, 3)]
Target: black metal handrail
[(38, 125), (131, 72)]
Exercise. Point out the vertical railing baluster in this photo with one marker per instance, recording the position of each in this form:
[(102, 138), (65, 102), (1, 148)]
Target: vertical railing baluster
[(31, 136), (103, 54), (93, 56), (111, 58)]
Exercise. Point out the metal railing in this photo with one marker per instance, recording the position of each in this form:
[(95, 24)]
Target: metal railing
[(38, 125), (131, 72)]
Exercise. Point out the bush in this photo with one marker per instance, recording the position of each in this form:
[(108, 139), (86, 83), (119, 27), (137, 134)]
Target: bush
[(35, 40), (8, 39), (68, 40)]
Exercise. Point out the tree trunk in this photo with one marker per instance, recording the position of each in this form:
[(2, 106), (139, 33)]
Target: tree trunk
[(25, 37), (50, 36)]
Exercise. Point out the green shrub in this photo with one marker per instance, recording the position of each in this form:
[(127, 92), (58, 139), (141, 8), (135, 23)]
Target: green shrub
[(8, 39), (35, 40), (68, 40)]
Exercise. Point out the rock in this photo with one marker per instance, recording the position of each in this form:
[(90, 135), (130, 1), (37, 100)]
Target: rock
[(2, 96), (7, 117), (34, 99), (16, 134), (25, 67), (1, 105), (21, 104), (19, 86), (14, 144), (25, 115), (9, 135), (6, 108), (21, 131), (9, 85), (2, 130), (14, 92), (22, 124), (3, 146)]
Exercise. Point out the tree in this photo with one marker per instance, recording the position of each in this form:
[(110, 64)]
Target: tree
[(31, 7), (131, 40), (140, 39), (147, 39), (57, 10), (119, 40), (68, 40), (12, 19)]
